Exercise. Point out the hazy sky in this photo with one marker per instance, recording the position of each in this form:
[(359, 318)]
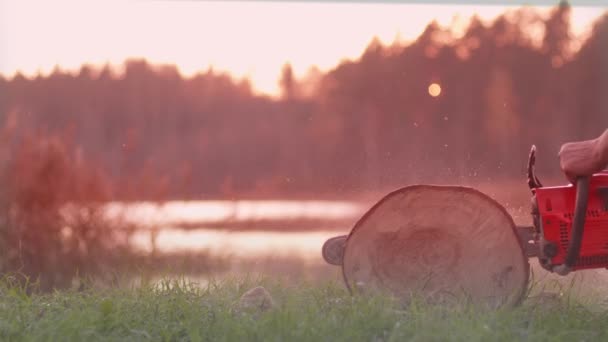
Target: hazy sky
[(251, 39)]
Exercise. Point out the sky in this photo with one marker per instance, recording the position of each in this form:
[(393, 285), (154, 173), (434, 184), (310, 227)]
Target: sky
[(247, 39)]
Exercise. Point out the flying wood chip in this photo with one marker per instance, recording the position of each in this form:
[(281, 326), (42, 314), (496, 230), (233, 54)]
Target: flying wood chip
[(440, 242)]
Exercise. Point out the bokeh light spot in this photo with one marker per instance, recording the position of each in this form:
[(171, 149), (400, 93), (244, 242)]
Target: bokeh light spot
[(434, 89)]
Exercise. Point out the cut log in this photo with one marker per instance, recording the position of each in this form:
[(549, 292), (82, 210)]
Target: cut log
[(438, 242)]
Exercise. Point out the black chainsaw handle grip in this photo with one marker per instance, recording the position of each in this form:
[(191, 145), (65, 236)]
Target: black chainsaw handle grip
[(578, 224)]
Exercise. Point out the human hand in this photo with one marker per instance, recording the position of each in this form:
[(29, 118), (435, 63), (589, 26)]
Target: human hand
[(583, 158)]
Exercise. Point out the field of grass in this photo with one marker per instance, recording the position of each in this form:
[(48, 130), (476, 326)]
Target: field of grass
[(183, 311)]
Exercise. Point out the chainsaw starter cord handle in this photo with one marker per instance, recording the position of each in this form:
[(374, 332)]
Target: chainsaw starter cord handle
[(578, 224)]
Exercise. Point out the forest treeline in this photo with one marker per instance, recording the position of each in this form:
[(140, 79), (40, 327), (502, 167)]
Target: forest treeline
[(367, 124)]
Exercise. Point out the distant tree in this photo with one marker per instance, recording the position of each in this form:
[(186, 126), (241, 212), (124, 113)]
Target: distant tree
[(557, 36), (287, 83), (502, 123)]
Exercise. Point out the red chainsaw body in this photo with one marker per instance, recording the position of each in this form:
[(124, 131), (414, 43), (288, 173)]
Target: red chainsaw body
[(555, 207)]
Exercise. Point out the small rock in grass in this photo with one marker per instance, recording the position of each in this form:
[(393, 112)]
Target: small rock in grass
[(256, 299)]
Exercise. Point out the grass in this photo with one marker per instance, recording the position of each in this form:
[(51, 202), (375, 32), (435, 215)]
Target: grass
[(178, 310)]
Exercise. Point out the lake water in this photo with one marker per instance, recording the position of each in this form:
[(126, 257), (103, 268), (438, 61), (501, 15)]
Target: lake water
[(210, 212), (165, 225), (238, 244)]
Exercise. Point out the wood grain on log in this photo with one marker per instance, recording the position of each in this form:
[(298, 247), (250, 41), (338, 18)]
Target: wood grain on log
[(438, 241)]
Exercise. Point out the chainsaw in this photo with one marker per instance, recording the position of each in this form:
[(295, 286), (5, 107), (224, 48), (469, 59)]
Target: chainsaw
[(444, 240)]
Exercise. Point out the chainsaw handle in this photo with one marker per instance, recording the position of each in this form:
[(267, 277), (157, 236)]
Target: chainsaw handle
[(578, 224)]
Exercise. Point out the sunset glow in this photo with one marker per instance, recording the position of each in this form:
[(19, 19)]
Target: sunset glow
[(252, 39)]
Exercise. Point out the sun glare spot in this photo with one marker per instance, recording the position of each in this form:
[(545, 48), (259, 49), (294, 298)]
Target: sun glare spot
[(434, 89)]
